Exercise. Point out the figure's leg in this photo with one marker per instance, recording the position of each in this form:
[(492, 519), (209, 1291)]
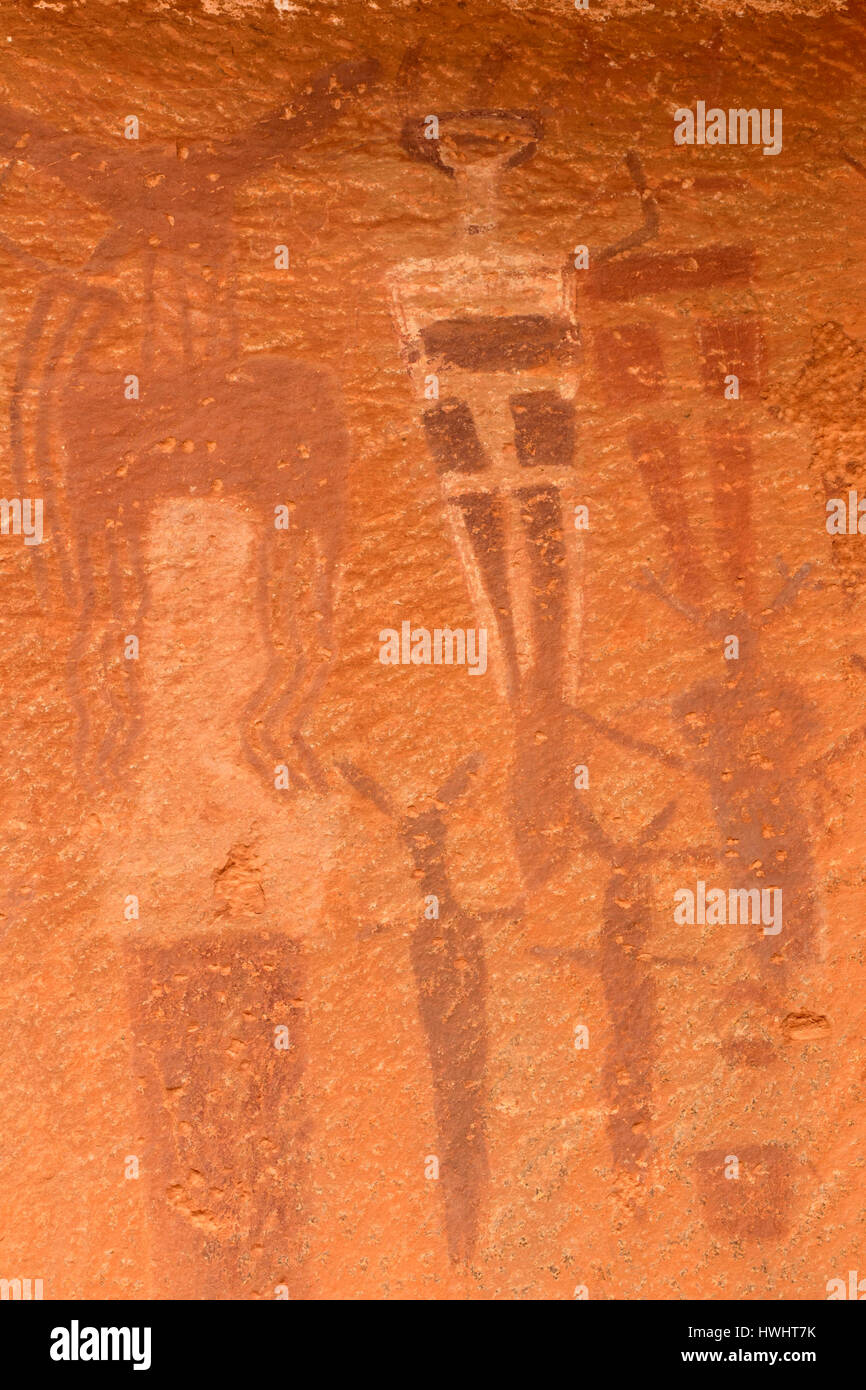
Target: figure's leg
[(542, 784)]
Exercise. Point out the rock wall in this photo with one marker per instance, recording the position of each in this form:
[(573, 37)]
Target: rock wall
[(432, 673)]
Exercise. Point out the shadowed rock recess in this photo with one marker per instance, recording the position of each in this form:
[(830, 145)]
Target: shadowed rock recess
[(433, 547)]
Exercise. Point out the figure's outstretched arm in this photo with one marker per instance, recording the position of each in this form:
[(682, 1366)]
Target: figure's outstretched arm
[(303, 116), (368, 788), (638, 745), (452, 788), (855, 163), (816, 766), (658, 822), (650, 224), (656, 589), (594, 832), (91, 168), (455, 785), (85, 165), (789, 590)]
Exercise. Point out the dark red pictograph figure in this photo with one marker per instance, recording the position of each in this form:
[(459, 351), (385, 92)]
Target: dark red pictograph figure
[(447, 951)]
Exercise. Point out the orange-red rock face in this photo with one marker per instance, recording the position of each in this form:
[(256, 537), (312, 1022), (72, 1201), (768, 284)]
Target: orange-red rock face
[(433, 677)]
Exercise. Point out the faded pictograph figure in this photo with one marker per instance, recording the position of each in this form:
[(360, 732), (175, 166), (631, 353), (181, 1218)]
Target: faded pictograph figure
[(750, 736), (131, 373), (828, 397), (197, 501)]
